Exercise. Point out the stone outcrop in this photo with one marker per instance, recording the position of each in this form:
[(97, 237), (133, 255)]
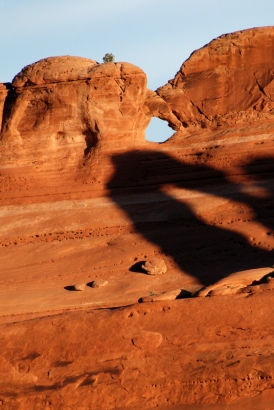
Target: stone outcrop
[(70, 113), (72, 97), (59, 108), (228, 81), (54, 70)]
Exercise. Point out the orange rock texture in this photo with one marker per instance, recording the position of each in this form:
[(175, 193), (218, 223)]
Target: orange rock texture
[(85, 199), (64, 106), (230, 80)]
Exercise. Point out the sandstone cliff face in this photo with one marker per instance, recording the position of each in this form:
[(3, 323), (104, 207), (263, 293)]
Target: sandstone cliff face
[(71, 97), (61, 107)]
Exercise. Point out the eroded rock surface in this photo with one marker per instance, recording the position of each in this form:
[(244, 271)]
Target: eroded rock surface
[(200, 352), (99, 283), (155, 266), (59, 108), (79, 286), (228, 81), (169, 295)]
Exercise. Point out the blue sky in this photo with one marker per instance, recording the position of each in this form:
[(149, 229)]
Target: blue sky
[(156, 35)]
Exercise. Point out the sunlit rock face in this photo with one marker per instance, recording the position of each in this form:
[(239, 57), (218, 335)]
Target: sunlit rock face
[(64, 97), (59, 108), (228, 81), (57, 99)]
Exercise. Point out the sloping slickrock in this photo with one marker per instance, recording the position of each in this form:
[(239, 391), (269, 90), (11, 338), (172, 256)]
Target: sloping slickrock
[(232, 284), (200, 352)]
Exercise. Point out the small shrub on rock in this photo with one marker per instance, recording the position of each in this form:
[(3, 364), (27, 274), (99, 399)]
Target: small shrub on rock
[(108, 58)]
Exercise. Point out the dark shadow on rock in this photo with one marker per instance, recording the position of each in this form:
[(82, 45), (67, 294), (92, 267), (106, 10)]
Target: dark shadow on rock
[(137, 267), (184, 294), (91, 140), (265, 279), (8, 104), (70, 288), (209, 252)]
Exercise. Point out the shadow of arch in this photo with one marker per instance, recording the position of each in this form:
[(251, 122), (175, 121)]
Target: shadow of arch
[(208, 252)]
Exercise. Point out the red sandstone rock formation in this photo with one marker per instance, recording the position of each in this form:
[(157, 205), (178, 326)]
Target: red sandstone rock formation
[(61, 107), (228, 81), (85, 199), (64, 97), (64, 106)]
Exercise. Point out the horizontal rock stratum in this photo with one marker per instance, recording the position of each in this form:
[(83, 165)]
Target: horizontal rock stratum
[(85, 199)]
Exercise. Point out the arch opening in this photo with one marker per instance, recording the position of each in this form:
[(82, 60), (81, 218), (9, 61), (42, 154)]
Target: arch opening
[(158, 130)]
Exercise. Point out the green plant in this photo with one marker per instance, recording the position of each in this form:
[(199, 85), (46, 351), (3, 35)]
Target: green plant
[(109, 58)]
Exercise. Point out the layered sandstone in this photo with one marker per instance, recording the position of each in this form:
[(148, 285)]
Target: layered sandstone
[(59, 108), (86, 200)]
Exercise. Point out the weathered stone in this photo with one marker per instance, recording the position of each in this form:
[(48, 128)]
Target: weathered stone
[(54, 70), (79, 286), (98, 283), (147, 340), (155, 266)]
